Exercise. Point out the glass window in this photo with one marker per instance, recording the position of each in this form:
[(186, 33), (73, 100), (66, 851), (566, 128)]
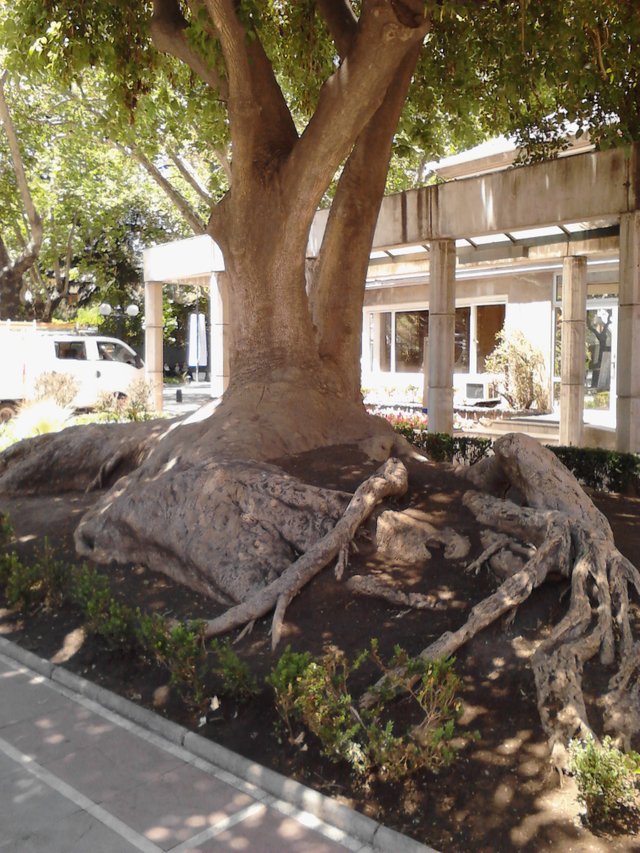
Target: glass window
[(111, 351), (385, 342), (461, 351), (490, 320), (71, 350), (598, 373), (411, 330)]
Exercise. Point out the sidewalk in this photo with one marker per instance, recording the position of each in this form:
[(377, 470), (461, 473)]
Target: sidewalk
[(193, 394), (76, 777)]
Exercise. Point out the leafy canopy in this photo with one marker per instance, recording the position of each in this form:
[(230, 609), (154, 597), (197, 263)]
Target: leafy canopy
[(486, 67)]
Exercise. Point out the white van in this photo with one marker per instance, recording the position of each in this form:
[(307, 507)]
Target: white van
[(98, 364)]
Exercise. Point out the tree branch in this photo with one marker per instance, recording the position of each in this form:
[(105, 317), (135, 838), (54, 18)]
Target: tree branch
[(351, 96), (190, 178), (32, 250), (167, 33), (181, 203), (334, 297), (261, 124), (341, 21)]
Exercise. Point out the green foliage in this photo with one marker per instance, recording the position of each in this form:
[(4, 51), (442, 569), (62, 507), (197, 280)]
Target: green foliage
[(607, 778), (284, 681), (327, 709), (59, 387), (594, 467), (40, 584), (135, 405), (601, 470), (521, 369), (441, 447), (237, 679), (187, 661), (104, 615), (316, 693)]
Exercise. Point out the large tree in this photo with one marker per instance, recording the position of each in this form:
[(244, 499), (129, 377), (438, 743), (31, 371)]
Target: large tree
[(309, 96)]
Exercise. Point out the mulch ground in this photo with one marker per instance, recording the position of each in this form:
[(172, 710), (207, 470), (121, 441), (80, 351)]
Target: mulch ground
[(498, 795)]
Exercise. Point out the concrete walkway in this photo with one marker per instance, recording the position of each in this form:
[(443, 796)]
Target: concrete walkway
[(77, 777), (193, 394)]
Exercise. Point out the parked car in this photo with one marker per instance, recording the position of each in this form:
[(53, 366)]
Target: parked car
[(97, 364)]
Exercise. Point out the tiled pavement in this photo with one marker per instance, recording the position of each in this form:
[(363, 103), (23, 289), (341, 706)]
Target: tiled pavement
[(78, 778)]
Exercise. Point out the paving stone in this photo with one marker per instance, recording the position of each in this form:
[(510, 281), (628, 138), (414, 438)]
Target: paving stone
[(269, 832), (185, 801)]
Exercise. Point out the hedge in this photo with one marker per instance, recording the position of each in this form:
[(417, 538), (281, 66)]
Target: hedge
[(595, 468)]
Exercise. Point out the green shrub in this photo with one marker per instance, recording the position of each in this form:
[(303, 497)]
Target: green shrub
[(181, 649), (606, 777), (59, 387), (135, 405), (441, 447), (105, 616), (237, 679), (601, 470), (284, 679), (316, 693), (43, 583), (521, 368)]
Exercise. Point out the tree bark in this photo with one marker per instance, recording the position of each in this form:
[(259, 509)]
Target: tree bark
[(11, 272)]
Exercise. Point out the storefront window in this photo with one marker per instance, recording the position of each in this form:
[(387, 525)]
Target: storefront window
[(490, 320), (411, 329), (385, 342), (461, 351)]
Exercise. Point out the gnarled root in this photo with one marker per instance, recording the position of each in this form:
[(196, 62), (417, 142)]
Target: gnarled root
[(367, 585), (390, 479), (572, 539)]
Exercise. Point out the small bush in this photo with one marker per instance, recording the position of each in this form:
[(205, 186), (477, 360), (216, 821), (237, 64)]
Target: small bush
[(316, 693), (181, 648), (237, 679), (59, 387), (521, 368), (132, 406), (606, 777), (43, 583), (284, 680)]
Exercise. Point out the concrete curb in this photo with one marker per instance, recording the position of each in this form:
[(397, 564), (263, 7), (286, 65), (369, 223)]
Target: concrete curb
[(366, 830)]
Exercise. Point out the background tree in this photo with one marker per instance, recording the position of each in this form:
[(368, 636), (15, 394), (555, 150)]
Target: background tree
[(24, 217), (97, 209)]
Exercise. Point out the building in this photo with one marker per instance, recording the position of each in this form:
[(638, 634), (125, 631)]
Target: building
[(525, 247)]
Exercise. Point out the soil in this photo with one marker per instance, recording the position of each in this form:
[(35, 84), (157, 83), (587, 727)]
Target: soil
[(498, 795)]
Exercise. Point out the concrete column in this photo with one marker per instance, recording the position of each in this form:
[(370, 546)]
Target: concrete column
[(572, 360), (153, 355), (442, 320), (219, 336), (628, 366)]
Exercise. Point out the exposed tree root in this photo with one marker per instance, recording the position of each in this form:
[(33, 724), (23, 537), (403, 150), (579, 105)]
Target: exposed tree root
[(366, 585), (404, 536), (572, 539), (390, 479), (79, 458)]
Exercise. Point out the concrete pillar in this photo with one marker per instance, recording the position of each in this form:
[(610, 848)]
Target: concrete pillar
[(219, 336), (153, 355), (442, 320), (572, 361), (628, 361)]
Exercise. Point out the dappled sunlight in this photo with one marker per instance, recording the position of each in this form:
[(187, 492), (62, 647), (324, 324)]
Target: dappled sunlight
[(71, 645)]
